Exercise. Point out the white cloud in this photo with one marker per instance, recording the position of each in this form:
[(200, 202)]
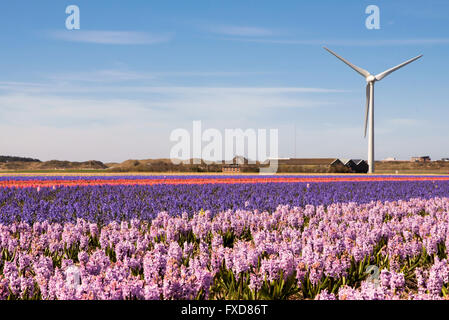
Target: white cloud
[(113, 75), (118, 143), (110, 37), (349, 43), (403, 121), (102, 76), (111, 129), (60, 111), (65, 87), (65, 105), (68, 104), (230, 90), (112, 122), (11, 86), (242, 31)]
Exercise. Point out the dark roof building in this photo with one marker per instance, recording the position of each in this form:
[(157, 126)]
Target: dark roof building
[(420, 159), (356, 165)]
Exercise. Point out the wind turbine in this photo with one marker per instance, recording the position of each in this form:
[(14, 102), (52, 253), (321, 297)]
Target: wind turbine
[(370, 79)]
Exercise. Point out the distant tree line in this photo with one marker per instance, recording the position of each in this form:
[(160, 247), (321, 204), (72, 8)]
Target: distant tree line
[(12, 158)]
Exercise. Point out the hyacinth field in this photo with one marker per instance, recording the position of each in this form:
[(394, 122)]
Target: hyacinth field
[(218, 237)]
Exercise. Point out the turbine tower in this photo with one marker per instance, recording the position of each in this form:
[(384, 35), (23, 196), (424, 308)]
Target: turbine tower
[(370, 79)]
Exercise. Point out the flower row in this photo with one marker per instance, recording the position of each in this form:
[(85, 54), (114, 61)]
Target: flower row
[(104, 204), (375, 250)]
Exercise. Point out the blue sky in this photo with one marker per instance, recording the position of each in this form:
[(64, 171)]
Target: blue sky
[(137, 70)]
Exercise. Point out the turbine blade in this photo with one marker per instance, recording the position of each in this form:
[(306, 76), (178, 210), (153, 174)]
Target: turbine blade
[(382, 75), (361, 71), (367, 107)]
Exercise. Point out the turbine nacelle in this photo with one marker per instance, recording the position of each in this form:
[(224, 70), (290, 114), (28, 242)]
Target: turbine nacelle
[(370, 78)]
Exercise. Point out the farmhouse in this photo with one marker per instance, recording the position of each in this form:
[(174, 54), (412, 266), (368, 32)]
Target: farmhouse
[(231, 168), (356, 165), (420, 159), (362, 166)]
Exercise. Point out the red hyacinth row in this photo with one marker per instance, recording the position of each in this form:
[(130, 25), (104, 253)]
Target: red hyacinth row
[(51, 183)]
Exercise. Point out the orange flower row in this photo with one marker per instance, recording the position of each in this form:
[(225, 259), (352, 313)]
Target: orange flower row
[(118, 181)]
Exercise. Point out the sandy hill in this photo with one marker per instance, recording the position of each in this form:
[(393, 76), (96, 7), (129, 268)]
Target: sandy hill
[(52, 165)]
